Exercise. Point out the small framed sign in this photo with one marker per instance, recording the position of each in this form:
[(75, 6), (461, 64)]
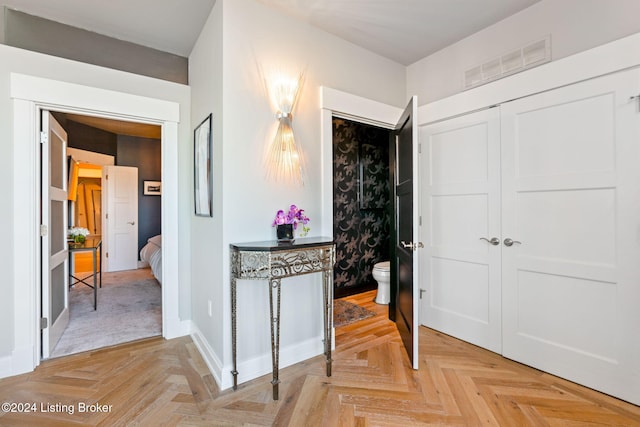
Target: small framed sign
[(152, 188)]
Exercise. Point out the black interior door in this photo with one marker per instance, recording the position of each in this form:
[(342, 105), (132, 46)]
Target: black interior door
[(404, 298)]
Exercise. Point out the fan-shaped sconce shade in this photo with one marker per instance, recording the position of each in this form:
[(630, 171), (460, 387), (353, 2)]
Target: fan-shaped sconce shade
[(284, 161)]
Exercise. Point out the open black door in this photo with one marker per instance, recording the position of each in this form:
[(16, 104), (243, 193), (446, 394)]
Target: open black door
[(403, 308)]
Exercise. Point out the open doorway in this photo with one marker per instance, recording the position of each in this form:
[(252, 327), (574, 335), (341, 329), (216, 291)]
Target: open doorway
[(361, 205), (361, 223), (127, 303), (32, 94)]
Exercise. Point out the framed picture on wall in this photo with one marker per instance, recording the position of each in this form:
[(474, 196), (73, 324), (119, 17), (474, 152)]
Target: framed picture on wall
[(152, 188), (203, 168)]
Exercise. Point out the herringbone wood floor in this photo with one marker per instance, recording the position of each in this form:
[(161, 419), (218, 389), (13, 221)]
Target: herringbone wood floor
[(157, 382)]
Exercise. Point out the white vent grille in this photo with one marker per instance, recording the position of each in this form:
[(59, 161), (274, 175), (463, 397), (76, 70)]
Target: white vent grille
[(528, 56)]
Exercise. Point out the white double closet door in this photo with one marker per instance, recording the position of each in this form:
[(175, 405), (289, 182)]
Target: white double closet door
[(558, 173)]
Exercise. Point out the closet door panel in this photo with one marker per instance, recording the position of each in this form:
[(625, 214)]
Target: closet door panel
[(564, 224), (460, 205), (568, 190), (550, 137)]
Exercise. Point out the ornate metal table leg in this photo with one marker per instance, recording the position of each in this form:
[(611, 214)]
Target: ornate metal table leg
[(233, 332), (328, 316), (274, 286)]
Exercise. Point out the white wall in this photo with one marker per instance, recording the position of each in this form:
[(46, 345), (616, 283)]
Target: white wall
[(25, 62), (253, 36), (205, 77), (574, 26)]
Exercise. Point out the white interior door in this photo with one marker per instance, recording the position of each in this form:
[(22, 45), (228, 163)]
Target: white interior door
[(571, 192), (461, 228), (120, 221), (55, 261)]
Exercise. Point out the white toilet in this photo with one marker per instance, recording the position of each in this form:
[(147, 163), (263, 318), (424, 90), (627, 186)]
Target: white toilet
[(381, 273)]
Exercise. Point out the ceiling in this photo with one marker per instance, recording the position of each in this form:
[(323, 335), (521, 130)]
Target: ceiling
[(118, 127), (169, 25), (401, 30)]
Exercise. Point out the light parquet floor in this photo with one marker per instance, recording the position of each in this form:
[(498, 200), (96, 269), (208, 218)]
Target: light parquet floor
[(157, 382)]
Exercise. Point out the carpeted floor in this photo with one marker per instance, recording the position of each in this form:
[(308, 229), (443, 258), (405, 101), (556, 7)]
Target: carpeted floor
[(129, 308), (345, 313)]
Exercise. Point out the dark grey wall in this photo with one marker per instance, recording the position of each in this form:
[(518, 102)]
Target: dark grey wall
[(361, 232), (142, 153), (145, 154), (53, 38), (88, 138)]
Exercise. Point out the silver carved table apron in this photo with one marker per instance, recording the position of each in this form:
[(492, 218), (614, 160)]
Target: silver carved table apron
[(273, 261)]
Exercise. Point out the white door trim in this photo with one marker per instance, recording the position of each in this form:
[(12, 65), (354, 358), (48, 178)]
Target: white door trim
[(355, 108), (29, 95)]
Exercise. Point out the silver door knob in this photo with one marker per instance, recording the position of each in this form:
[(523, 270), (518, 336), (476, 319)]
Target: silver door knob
[(510, 242), (411, 245), (494, 240)]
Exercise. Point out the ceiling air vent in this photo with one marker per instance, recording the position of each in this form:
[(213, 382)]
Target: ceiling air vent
[(528, 56)]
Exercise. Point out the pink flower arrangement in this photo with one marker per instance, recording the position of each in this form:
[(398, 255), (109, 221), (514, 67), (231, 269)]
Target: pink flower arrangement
[(294, 216)]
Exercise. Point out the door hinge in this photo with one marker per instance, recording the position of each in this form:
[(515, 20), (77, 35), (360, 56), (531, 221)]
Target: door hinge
[(43, 230), (106, 216), (44, 138), (106, 177), (44, 323), (422, 291), (420, 148), (106, 255), (636, 98), (420, 220)]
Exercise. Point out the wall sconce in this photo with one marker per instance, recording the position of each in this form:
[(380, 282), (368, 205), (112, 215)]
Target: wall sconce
[(284, 162)]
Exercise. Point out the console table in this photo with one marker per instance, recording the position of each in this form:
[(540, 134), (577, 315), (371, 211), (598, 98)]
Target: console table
[(273, 261), (93, 244)]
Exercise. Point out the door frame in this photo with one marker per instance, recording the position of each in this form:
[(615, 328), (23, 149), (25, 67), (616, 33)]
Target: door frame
[(29, 96), (335, 103)]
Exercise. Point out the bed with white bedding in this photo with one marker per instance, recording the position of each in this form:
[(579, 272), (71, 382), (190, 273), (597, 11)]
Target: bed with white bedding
[(152, 254)]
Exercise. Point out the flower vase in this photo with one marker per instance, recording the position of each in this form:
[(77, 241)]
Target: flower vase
[(79, 238), (285, 232)]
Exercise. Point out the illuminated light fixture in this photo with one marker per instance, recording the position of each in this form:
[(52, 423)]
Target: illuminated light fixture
[(284, 162)]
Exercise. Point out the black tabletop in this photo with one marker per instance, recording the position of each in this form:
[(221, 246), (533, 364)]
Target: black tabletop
[(275, 245)]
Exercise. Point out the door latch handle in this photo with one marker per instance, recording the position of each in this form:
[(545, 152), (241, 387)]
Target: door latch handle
[(494, 240), (131, 223), (510, 242), (411, 245)]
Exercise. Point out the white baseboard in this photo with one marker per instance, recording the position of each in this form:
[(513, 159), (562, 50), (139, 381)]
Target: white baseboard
[(176, 328), (19, 362), (5, 366), (185, 328), (207, 353), (256, 367), (262, 365)]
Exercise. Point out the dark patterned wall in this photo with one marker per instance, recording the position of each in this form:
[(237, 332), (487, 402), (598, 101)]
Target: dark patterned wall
[(360, 206)]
